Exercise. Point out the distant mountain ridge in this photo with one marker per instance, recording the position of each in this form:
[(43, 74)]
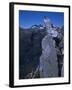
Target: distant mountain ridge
[(37, 27)]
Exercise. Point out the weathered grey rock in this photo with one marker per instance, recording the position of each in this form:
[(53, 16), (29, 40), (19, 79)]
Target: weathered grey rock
[(48, 59)]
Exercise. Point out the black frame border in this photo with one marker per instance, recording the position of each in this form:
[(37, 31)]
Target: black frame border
[(11, 43)]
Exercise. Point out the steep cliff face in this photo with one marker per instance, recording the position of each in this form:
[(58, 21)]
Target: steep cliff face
[(51, 58), (48, 58), (30, 50)]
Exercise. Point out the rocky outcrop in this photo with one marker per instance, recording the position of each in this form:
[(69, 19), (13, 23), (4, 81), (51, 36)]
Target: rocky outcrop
[(48, 59), (41, 51)]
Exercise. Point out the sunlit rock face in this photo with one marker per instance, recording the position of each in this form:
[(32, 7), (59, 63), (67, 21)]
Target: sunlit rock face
[(48, 58)]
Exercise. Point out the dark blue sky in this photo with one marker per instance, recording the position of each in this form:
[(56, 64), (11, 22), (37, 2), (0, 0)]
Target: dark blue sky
[(29, 18)]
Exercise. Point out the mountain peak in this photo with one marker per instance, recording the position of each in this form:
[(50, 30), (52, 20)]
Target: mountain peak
[(37, 27)]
